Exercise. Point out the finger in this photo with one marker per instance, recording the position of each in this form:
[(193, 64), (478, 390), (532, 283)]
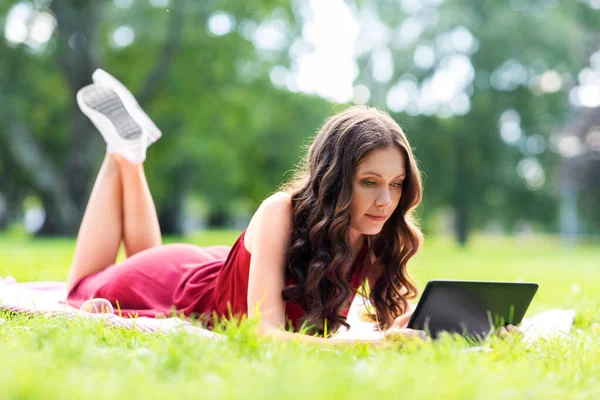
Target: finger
[(502, 332), (416, 333), (514, 330), (403, 320)]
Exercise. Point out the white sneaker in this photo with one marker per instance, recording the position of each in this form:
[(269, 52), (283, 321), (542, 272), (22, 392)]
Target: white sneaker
[(108, 81), (122, 133)]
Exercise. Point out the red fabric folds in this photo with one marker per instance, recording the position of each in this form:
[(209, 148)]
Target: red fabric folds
[(184, 279)]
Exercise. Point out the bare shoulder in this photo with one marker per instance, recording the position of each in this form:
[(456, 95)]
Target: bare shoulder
[(278, 199), (274, 214), (276, 206)]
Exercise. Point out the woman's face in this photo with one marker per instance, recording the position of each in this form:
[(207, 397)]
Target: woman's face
[(376, 190)]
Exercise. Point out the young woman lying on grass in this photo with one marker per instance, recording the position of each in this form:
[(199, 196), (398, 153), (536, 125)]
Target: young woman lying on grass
[(345, 219)]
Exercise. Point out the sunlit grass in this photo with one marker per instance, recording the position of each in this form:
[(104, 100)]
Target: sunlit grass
[(69, 358)]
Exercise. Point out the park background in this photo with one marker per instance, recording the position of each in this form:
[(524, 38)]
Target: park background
[(499, 98)]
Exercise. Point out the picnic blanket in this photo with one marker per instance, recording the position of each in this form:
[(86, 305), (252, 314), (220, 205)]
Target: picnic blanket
[(49, 298)]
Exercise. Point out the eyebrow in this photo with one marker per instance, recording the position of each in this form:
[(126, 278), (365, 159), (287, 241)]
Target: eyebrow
[(379, 175)]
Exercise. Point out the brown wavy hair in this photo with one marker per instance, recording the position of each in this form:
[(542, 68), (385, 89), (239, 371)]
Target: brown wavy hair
[(321, 192)]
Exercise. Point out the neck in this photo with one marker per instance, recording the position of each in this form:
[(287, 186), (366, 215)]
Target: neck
[(355, 240)]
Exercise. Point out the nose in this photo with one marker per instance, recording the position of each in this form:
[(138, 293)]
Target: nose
[(384, 198)]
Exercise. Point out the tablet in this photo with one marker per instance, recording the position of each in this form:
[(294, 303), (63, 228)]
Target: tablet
[(471, 308)]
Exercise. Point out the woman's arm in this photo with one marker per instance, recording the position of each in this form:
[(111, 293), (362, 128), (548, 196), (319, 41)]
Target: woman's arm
[(267, 238)]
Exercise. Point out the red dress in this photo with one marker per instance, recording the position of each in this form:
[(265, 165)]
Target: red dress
[(183, 278)]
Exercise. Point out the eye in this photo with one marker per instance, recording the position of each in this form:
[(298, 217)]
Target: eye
[(397, 184), (368, 183)]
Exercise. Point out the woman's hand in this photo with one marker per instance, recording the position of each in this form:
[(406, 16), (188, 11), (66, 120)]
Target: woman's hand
[(508, 331), (402, 321), (399, 331)]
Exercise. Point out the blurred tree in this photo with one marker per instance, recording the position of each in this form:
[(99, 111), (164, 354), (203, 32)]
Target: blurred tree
[(189, 75), (580, 174), (480, 86)]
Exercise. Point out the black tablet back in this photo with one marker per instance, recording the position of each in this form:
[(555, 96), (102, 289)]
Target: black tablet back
[(471, 308)]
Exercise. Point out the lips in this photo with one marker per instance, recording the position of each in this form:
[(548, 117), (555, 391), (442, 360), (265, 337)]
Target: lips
[(377, 217)]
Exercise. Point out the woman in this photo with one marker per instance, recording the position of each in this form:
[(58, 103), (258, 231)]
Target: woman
[(344, 220)]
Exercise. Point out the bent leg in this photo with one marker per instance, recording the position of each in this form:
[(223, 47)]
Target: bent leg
[(101, 229), (141, 230)]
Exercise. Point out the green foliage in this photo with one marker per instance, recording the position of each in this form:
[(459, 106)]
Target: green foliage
[(467, 165), (231, 137)]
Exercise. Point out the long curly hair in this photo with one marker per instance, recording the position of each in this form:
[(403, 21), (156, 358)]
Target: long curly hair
[(321, 192)]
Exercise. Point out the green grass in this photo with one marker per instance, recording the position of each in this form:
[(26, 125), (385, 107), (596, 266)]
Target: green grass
[(69, 358)]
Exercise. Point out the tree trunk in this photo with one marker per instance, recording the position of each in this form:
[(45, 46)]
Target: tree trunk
[(9, 198), (461, 199), (6, 188), (217, 219), (171, 212), (8, 210), (461, 223), (78, 56), (44, 177), (12, 183), (64, 190), (170, 217)]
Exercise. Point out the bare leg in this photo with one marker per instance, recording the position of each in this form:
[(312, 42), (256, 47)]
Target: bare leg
[(140, 222), (101, 229)]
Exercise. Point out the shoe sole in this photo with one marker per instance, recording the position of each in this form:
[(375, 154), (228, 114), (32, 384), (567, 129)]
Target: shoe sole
[(106, 80), (108, 103)]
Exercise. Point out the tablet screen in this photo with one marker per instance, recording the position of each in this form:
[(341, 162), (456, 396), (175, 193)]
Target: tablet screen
[(471, 308)]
